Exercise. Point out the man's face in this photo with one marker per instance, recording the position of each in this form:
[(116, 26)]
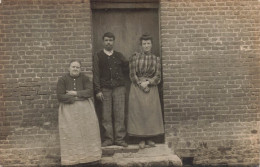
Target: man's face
[(108, 43), (74, 69), (146, 45)]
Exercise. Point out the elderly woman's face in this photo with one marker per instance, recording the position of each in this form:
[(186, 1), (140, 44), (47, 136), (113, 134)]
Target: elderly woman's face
[(146, 45), (74, 69)]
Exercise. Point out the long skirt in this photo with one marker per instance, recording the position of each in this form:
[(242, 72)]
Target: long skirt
[(144, 112), (79, 133)]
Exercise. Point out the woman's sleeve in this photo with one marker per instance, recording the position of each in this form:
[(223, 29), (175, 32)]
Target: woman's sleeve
[(132, 67), (156, 79), (61, 93), (88, 88)]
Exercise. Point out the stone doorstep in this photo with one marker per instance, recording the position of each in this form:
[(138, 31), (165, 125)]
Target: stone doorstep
[(132, 156), (111, 150)]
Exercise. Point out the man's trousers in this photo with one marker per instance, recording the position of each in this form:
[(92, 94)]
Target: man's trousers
[(113, 114)]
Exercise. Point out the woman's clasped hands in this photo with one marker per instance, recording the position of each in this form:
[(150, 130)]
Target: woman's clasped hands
[(145, 86)]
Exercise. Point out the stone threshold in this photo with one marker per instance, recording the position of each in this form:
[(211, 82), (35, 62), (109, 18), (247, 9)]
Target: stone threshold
[(132, 156)]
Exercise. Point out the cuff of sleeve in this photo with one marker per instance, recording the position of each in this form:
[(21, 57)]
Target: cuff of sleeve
[(150, 81), (97, 91), (79, 94), (70, 100)]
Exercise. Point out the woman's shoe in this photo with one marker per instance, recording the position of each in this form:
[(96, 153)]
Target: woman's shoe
[(142, 145), (151, 143)]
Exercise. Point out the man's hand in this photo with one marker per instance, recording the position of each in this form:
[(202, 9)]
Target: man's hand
[(100, 96), (71, 92)]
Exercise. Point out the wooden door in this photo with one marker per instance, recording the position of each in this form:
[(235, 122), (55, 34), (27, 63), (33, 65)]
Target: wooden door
[(127, 24)]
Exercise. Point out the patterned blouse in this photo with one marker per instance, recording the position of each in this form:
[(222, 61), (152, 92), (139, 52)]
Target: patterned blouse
[(145, 65)]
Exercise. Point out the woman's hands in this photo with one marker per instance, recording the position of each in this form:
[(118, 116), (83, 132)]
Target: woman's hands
[(144, 85), (73, 95), (71, 92)]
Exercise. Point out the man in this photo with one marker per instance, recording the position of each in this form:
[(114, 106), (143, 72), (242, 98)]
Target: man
[(108, 68)]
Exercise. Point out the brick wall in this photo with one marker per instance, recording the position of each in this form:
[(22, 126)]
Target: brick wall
[(210, 54), (37, 41), (211, 65)]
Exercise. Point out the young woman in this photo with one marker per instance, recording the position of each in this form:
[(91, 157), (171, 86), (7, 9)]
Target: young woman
[(144, 111)]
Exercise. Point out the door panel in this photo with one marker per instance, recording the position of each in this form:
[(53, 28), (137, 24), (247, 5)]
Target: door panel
[(128, 26)]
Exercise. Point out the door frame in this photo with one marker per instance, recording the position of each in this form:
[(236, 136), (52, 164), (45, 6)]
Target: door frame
[(124, 4), (134, 4)]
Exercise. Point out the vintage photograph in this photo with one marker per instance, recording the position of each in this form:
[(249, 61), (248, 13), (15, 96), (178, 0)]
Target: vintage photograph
[(129, 83)]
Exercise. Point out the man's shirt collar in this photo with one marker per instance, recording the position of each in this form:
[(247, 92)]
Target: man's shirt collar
[(109, 53)]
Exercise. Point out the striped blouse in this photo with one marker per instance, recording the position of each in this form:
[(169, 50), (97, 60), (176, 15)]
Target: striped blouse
[(145, 65)]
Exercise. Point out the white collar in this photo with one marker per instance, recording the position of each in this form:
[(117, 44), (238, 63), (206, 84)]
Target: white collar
[(109, 53)]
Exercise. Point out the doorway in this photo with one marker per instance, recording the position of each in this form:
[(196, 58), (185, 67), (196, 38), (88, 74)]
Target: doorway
[(127, 20)]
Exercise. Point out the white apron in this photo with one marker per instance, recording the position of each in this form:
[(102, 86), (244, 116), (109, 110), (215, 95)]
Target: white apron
[(79, 133)]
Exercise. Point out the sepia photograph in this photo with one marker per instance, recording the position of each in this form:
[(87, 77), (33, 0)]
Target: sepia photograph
[(129, 83)]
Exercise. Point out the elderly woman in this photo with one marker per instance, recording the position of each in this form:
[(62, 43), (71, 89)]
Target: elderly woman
[(78, 125), (144, 111)]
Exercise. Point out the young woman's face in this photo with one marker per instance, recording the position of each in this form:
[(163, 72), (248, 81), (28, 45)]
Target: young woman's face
[(146, 45), (74, 69)]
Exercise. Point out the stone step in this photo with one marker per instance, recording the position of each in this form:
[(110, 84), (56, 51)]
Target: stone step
[(132, 156), (111, 150)]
